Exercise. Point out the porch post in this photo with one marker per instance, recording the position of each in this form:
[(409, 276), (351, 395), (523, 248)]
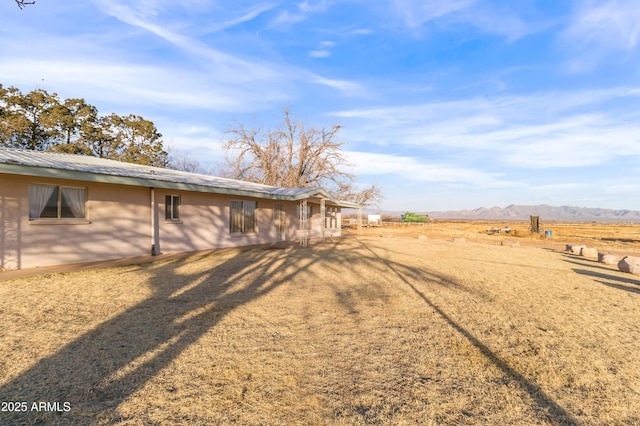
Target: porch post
[(304, 240), (154, 247), (360, 220), (323, 215)]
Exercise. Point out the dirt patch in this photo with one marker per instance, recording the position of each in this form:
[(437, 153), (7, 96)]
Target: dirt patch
[(368, 330)]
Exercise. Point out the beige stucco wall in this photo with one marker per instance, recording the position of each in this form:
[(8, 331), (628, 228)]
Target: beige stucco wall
[(116, 226), (204, 222), (119, 221)]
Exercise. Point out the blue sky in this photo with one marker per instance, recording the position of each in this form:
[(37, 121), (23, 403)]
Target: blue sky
[(444, 104)]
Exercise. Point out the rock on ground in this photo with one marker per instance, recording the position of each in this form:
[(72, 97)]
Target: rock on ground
[(575, 248), (589, 252), (608, 258), (630, 264)]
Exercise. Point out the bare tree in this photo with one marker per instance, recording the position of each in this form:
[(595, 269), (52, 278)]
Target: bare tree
[(180, 161), (365, 197), (22, 3), (293, 156)]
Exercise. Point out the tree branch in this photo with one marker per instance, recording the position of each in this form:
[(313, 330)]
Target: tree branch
[(21, 3), (292, 156)]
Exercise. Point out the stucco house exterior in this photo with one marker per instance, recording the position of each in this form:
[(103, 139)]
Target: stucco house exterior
[(61, 208)]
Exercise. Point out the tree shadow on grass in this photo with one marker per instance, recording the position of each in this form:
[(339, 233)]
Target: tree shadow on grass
[(103, 367), (620, 287), (581, 261), (544, 403), (596, 270), (609, 278)]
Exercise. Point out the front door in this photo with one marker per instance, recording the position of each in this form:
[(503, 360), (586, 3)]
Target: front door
[(278, 221)]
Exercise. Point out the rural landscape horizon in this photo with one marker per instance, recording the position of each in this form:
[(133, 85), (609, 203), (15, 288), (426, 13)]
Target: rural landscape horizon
[(520, 213)]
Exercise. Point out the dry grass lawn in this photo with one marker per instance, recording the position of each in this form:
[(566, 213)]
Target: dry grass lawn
[(367, 330)]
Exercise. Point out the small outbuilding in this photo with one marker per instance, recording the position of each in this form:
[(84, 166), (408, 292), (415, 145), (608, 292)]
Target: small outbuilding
[(63, 208)]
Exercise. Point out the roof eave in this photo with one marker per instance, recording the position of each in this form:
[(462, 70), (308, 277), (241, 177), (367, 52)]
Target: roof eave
[(50, 172), (324, 194)]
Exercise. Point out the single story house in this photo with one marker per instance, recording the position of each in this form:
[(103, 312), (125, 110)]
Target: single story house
[(62, 208)]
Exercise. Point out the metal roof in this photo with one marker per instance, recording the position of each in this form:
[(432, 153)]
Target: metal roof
[(94, 169)]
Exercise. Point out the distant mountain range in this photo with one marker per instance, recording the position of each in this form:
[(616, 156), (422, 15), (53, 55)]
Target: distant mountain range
[(546, 212)]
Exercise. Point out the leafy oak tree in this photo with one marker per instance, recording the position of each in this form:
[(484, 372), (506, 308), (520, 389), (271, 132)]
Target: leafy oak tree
[(26, 118), (293, 156), (41, 121), (72, 121)]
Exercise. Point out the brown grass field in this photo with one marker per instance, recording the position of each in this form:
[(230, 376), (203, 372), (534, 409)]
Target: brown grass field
[(365, 330)]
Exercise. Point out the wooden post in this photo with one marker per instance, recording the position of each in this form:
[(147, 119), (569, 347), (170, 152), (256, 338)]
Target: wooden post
[(535, 223)]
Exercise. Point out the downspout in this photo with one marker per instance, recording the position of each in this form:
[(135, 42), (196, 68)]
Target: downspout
[(153, 222)]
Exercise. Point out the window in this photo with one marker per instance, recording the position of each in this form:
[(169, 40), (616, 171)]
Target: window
[(56, 202), (172, 207), (243, 217), (331, 218)]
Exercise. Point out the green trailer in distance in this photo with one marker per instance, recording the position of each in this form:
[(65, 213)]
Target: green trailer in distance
[(409, 217)]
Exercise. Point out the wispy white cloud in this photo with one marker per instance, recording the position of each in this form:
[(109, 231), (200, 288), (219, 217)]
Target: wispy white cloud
[(616, 188), (597, 29), (130, 84), (537, 132), (287, 18), (483, 15), (249, 15), (416, 12), (299, 13), (347, 87), (198, 142), (613, 24), (250, 70), (323, 50), (224, 66), (321, 53), (361, 31), (501, 21), (415, 170)]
